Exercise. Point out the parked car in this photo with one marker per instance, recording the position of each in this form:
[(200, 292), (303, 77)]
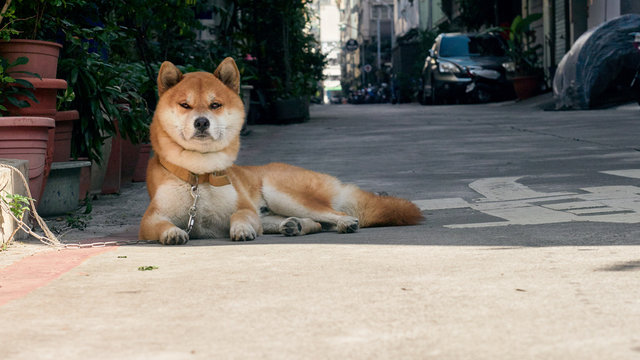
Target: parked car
[(466, 67)]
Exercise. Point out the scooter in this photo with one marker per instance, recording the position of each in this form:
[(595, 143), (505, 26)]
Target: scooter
[(482, 87)]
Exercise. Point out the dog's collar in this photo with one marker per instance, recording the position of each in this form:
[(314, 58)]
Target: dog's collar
[(216, 178)]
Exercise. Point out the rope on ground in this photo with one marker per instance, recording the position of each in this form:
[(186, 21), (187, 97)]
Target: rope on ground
[(49, 238)]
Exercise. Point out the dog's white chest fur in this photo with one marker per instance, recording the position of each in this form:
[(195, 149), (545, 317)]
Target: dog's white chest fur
[(215, 206)]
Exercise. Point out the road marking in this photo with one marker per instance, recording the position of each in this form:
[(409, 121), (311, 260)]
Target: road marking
[(631, 173), (441, 204), (517, 204)]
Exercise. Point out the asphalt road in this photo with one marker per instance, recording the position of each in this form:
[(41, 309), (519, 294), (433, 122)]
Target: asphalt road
[(530, 249)]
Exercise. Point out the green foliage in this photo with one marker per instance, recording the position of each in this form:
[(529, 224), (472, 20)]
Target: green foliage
[(14, 91), (77, 221), (147, 268), (18, 204), (525, 56), (288, 60), (475, 14), (33, 18), (6, 29), (112, 51)]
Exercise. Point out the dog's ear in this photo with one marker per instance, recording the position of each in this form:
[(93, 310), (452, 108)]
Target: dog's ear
[(228, 73), (168, 76)]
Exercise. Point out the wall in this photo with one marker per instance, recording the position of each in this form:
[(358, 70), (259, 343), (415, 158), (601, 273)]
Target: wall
[(601, 11), (406, 15)]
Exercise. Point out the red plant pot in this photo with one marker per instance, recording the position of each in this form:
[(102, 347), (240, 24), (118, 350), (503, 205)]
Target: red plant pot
[(42, 55), (526, 86), (130, 154), (63, 134), (113, 174), (46, 91), (140, 174), (26, 138)]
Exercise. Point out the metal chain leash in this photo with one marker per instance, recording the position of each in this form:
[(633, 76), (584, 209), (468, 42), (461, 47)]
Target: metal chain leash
[(100, 244), (193, 210), (195, 194), (49, 238)]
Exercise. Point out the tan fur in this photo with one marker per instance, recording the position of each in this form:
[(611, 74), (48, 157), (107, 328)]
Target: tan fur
[(273, 198)]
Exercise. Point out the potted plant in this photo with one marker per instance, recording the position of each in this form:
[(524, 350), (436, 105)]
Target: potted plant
[(525, 66), (287, 58), (17, 42), (23, 137)]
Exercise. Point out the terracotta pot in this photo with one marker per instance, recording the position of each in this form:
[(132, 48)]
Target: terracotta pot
[(525, 86), (26, 138), (42, 55), (113, 175), (63, 134), (140, 174), (130, 154), (46, 91), (290, 110)]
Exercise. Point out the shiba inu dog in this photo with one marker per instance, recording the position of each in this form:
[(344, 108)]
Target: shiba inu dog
[(196, 190)]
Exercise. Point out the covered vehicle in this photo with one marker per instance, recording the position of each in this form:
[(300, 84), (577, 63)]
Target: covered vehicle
[(466, 66), (600, 66)]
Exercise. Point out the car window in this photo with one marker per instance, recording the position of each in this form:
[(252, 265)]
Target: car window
[(454, 46), (471, 46), (486, 46)]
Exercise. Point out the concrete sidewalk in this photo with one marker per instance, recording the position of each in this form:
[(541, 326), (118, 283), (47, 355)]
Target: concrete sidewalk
[(552, 290)]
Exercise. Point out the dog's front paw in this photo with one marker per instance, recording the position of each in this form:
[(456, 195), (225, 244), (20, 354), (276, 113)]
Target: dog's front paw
[(347, 224), (242, 232), (174, 236)]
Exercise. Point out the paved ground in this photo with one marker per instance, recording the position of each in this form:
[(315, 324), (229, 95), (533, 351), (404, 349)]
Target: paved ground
[(531, 249)]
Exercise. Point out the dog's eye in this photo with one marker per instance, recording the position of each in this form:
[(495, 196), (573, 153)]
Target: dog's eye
[(185, 105), (216, 105)]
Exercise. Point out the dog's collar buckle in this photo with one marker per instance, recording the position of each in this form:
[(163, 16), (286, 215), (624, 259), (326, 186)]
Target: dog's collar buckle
[(216, 178)]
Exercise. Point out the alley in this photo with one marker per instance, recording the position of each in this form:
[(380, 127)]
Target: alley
[(530, 249)]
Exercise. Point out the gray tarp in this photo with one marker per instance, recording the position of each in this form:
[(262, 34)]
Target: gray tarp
[(595, 61)]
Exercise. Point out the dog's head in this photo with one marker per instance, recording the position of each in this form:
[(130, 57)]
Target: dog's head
[(200, 111)]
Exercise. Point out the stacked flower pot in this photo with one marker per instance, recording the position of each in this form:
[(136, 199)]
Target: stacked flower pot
[(39, 133)]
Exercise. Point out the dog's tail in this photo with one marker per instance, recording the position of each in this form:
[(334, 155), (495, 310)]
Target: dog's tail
[(382, 210)]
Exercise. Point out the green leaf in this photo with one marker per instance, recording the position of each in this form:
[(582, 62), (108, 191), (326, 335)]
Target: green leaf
[(20, 61), (18, 103), (24, 83)]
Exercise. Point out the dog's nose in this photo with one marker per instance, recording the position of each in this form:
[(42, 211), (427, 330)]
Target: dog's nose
[(201, 124)]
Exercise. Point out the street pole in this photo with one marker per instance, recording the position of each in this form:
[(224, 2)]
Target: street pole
[(362, 65), (378, 34)]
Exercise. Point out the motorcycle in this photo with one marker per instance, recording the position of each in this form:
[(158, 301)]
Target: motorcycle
[(485, 85)]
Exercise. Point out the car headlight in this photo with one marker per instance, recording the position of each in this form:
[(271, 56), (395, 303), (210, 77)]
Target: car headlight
[(448, 67), (509, 66)]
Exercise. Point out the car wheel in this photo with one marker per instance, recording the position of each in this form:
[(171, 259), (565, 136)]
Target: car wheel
[(483, 96)]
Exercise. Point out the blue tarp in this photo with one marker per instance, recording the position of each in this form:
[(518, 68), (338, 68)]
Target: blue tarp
[(596, 60)]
